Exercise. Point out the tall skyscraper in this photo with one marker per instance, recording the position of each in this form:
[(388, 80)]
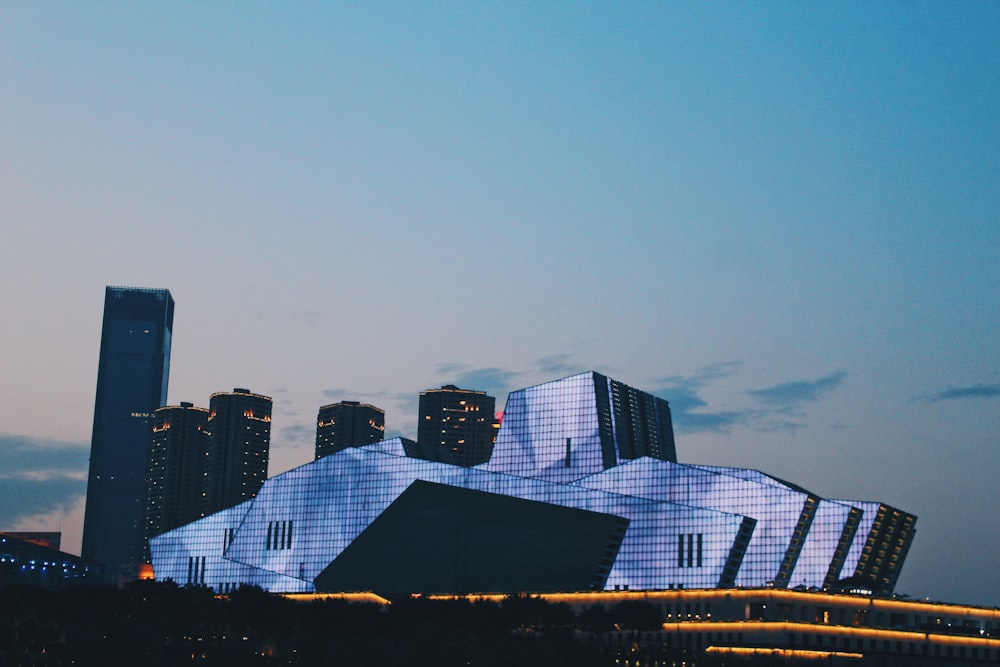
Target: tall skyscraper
[(176, 467), (131, 383), (459, 421), (347, 424), (239, 440)]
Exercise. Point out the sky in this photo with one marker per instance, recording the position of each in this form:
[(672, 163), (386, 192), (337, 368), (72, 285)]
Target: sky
[(783, 218)]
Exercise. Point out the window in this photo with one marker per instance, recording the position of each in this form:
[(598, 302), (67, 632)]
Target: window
[(279, 535), (691, 556)]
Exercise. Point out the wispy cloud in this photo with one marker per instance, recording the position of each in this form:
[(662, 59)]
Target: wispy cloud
[(964, 393), (21, 498), (788, 394), (406, 402), (776, 407), (695, 422), (687, 407), (298, 434), (38, 477), (559, 365), (492, 380), (338, 394), (20, 455)]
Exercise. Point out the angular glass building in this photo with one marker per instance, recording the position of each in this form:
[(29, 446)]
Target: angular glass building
[(580, 425), (131, 383), (582, 492)]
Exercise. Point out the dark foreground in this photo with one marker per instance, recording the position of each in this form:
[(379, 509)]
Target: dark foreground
[(152, 624)]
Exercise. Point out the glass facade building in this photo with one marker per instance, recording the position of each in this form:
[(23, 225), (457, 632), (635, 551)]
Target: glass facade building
[(582, 492), (580, 425), (131, 383)]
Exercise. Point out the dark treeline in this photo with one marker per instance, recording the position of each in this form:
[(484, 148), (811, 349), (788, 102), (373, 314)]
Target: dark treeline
[(152, 624)]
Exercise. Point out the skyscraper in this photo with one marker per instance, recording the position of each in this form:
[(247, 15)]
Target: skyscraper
[(459, 421), (239, 440), (347, 424), (131, 383), (176, 467)]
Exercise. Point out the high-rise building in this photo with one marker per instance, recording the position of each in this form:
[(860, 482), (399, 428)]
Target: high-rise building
[(347, 424), (131, 383), (239, 440), (459, 421), (176, 467)]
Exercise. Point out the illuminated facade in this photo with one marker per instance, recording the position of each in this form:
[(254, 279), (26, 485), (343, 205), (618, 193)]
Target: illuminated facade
[(239, 442), (131, 383), (347, 424), (581, 493), (457, 421), (562, 431)]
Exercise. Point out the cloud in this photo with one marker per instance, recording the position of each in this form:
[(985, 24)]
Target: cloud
[(38, 477), (405, 402), (494, 381), (774, 412), (450, 368), (299, 434), (336, 395), (20, 455), (962, 393), (718, 370), (788, 394), (557, 365), (22, 497), (696, 422), (686, 403), (702, 376)]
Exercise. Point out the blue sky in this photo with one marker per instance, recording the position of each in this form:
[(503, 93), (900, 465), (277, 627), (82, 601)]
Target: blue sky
[(783, 218)]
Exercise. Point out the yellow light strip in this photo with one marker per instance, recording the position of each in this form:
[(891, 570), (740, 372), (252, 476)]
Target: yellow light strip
[(769, 594), (349, 597), (786, 653), (774, 627)]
